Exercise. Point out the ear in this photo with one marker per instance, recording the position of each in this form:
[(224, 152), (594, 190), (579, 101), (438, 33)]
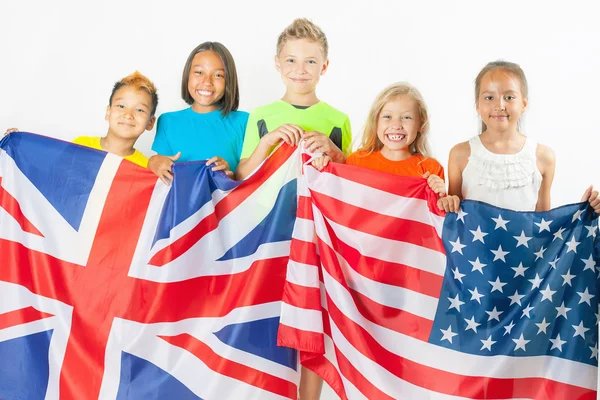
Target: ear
[(151, 123), (525, 102), (277, 65), (324, 67), (107, 116)]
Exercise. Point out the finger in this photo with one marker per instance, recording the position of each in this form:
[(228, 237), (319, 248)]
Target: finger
[(426, 175), (212, 160), (587, 194), (456, 204), (229, 173), (175, 157), (166, 178), (220, 167)]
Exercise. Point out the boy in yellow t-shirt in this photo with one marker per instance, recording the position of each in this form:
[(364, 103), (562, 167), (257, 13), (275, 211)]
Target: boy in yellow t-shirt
[(129, 113)]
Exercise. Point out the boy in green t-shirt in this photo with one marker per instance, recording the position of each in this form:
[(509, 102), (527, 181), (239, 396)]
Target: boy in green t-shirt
[(301, 60)]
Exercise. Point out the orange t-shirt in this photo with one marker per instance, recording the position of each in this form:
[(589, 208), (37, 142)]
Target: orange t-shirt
[(415, 165)]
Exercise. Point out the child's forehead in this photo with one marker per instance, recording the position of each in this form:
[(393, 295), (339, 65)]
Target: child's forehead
[(302, 46), (500, 78), (401, 102), (132, 93)]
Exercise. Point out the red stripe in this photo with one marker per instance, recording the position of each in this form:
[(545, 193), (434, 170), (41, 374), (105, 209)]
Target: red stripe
[(310, 342), (305, 208), (380, 225), (405, 186), (476, 387), (327, 371), (12, 207), (302, 296), (304, 252), (22, 316), (223, 208), (233, 369)]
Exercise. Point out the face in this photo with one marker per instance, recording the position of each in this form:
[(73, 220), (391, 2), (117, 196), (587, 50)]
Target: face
[(206, 82), (397, 126), (500, 102), (129, 114), (301, 64)]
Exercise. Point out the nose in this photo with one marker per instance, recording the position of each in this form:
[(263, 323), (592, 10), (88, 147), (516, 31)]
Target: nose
[(501, 103), (128, 113), (300, 68)]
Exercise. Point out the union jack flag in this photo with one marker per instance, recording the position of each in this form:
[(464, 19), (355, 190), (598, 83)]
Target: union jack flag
[(113, 285), (387, 299)]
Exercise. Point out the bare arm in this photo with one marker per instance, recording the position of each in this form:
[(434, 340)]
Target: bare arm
[(459, 156), (546, 162)]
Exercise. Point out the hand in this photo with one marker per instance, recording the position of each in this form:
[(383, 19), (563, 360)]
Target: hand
[(449, 203), (436, 183), (11, 130), (289, 133), (220, 165), (161, 166), (592, 197), (317, 142), (321, 162)]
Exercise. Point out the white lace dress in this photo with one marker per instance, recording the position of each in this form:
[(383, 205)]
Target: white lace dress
[(504, 180)]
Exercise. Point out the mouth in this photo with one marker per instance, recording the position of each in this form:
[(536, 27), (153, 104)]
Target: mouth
[(499, 117), (205, 93), (126, 124), (297, 80), (395, 137)]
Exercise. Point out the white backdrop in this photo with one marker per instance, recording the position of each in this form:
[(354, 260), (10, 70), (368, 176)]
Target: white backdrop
[(59, 60)]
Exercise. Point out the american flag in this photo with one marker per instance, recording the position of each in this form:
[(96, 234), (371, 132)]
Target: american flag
[(113, 285), (386, 299)]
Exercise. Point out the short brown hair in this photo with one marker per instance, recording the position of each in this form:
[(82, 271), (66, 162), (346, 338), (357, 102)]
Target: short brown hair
[(231, 97), (138, 82), (302, 28)]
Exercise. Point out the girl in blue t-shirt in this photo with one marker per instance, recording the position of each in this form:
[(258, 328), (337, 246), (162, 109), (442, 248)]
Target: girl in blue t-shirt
[(211, 129)]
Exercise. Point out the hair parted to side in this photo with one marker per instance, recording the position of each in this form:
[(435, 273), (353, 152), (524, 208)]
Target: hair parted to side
[(231, 97), (138, 82), (302, 28), (509, 67), (370, 142)]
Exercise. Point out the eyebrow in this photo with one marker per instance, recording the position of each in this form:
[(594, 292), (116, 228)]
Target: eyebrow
[(121, 98), (200, 66)]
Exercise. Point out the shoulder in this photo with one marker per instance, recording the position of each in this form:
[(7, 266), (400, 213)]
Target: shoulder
[(430, 163), (333, 112), (545, 156), (266, 109), (239, 116), (84, 140), (173, 115), (460, 151), (356, 157)]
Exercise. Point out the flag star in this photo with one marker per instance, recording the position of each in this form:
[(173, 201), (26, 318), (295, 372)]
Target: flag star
[(455, 303), (577, 215), (567, 278), (477, 265), (558, 234), (580, 330), (540, 254), (542, 326), (594, 350), (585, 297), (499, 254), (508, 328), (494, 314), (572, 245), (562, 311), (536, 282), (543, 225), (516, 298), (553, 263), (520, 270), (471, 324), (520, 343), (475, 295), (461, 215), (457, 275), (547, 294), (500, 223), (448, 334), (457, 246), (557, 343), (523, 240), (526, 311), (478, 235), (497, 285), (591, 232), (589, 263), (488, 343)]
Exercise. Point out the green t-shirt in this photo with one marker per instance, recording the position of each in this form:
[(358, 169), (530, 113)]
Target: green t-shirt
[(320, 117)]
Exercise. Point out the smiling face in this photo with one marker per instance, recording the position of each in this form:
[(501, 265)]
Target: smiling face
[(500, 102), (398, 124), (301, 63), (128, 115), (206, 82)]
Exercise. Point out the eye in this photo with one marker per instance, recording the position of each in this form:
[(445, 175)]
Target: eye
[(312, 62), (407, 117), (289, 60), (198, 72), (509, 97), (120, 106), (386, 117), (141, 110), (489, 98), (219, 75)]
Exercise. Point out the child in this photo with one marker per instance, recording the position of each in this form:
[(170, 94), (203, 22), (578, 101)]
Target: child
[(301, 59), (395, 137), (501, 166), (129, 113), (211, 129)]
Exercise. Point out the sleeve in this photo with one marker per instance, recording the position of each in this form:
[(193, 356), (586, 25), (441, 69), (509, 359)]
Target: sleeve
[(435, 168), (161, 144), (346, 136), (351, 159), (251, 137), (242, 126)]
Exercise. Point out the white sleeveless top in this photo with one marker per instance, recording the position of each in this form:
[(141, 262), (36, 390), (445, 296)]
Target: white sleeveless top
[(504, 180)]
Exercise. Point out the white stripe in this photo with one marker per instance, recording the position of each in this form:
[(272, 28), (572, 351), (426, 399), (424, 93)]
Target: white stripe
[(362, 196), (304, 229), (433, 356), (301, 318), (303, 274)]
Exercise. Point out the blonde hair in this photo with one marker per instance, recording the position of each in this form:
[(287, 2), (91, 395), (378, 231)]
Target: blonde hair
[(138, 82), (370, 142), (510, 67), (302, 28)]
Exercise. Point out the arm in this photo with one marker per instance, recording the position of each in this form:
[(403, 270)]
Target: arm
[(546, 162), (459, 156), (161, 163)]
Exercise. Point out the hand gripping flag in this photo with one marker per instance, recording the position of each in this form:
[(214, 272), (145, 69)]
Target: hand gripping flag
[(387, 300), (113, 285)]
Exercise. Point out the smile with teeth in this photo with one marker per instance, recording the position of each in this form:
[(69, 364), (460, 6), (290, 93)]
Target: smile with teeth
[(395, 137), (205, 92)]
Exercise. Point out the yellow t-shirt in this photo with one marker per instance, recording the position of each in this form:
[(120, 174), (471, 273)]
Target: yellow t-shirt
[(94, 142)]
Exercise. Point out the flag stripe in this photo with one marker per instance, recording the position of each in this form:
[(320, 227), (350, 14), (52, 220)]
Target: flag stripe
[(12, 207), (21, 316)]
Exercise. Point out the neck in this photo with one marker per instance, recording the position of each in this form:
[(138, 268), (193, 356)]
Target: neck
[(116, 145), (305, 99), (395, 155), (501, 136)]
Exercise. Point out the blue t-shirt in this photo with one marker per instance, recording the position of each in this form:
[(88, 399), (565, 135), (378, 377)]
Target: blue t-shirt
[(201, 136)]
